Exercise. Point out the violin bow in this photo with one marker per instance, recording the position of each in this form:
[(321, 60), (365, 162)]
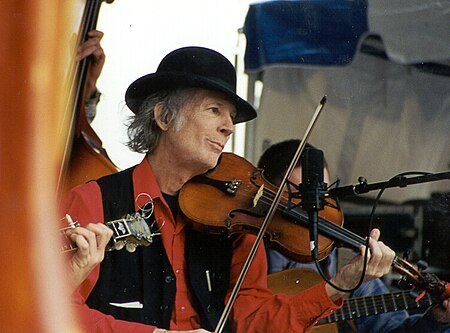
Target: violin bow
[(268, 218)]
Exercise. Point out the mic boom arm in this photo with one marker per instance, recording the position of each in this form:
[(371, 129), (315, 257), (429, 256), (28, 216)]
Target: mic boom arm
[(399, 181)]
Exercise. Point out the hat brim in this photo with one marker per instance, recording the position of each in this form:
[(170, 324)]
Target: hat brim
[(138, 91)]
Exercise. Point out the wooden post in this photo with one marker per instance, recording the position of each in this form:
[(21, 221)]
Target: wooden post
[(34, 293)]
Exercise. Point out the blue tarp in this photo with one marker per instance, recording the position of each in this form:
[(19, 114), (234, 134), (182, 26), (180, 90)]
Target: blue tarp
[(318, 32)]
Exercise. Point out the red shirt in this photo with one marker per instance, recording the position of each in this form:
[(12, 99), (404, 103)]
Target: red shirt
[(256, 309)]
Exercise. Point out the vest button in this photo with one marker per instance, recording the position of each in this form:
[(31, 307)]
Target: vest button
[(168, 279)]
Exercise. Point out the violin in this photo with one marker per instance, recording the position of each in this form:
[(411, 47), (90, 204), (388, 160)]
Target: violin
[(234, 196), (216, 202)]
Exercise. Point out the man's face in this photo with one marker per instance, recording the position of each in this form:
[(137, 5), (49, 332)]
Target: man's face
[(206, 125)]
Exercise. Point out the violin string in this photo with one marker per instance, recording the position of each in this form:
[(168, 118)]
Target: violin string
[(325, 224), (330, 228)]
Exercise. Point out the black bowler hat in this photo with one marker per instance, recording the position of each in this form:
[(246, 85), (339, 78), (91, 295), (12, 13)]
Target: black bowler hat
[(191, 67)]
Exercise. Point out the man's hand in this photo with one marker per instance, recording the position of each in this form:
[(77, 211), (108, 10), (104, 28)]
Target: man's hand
[(91, 243), (92, 48), (379, 262)]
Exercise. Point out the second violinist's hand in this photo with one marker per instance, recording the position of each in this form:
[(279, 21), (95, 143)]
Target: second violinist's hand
[(379, 262), (92, 48), (91, 243)]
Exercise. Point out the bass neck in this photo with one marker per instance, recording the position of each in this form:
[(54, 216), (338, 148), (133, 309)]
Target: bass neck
[(129, 232)]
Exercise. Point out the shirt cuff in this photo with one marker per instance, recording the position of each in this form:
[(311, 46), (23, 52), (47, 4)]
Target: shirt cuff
[(319, 303)]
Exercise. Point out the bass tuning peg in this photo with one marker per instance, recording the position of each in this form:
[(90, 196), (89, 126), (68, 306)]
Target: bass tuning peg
[(131, 247)]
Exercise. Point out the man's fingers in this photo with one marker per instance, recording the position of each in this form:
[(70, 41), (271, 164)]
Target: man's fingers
[(93, 237), (81, 242), (88, 49), (388, 257), (380, 256), (96, 33), (91, 46), (102, 232), (99, 54), (375, 234)]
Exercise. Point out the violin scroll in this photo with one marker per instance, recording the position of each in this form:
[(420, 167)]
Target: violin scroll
[(420, 281)]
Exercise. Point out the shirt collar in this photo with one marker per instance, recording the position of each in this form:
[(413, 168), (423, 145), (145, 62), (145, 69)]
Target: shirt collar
[(145, 184)]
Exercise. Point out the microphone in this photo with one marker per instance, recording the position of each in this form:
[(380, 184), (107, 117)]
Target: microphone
[(344, 191), (313, 191)]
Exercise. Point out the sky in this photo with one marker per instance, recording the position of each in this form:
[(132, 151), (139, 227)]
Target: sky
[(138, 34)]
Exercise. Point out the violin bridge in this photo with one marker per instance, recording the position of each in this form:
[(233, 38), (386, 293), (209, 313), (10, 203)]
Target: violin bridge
[(258, 195)]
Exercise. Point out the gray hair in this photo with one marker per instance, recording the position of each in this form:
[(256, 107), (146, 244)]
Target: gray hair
[(143, 131)]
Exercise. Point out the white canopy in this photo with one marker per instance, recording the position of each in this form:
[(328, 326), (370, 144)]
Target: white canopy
[(384, 115)]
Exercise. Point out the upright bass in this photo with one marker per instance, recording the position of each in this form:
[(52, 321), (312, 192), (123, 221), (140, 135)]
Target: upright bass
[(84, 157)]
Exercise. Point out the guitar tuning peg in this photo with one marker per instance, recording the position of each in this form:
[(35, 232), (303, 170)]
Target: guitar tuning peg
[(131, 247)]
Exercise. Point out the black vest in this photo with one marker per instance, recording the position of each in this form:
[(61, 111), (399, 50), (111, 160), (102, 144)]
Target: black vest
[(146, 275)]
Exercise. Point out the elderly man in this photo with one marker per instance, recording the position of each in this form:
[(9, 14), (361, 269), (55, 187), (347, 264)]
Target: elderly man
[(184, 115)]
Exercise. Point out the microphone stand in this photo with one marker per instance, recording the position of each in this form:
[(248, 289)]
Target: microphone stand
[(313, 193), (399, 181)]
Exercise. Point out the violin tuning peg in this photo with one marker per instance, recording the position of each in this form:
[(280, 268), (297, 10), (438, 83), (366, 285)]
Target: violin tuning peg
[(406, 254), (422, 265), (403, 283), (131, 247)]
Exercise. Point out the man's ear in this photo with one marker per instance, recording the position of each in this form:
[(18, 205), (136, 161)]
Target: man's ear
[(162, 122)]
